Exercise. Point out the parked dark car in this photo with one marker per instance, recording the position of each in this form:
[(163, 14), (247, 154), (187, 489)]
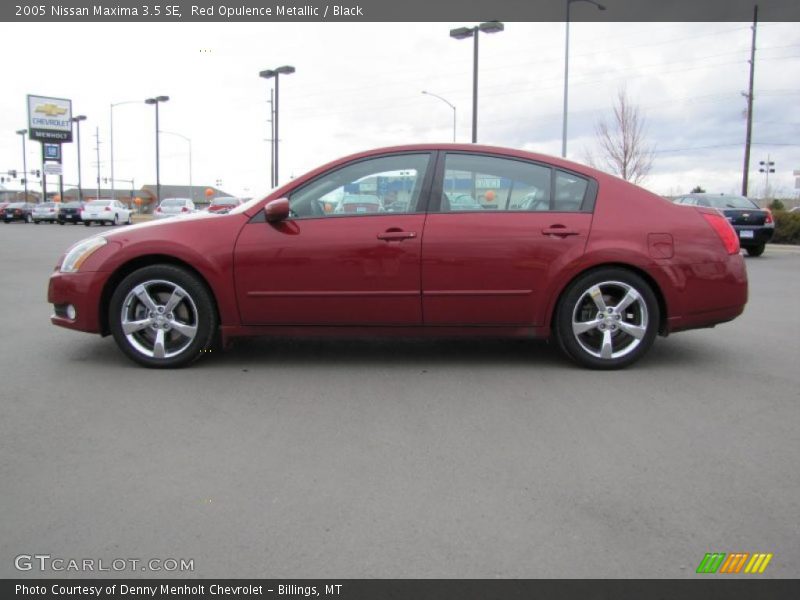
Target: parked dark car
[(754, 226), (71, 213), (18, 211), (602, 272)]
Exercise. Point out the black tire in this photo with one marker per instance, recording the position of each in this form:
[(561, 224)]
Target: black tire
[(87, 223), (116, 220), (755, 250), (196, 310), (578, 308), (36, 222), (61, 222)]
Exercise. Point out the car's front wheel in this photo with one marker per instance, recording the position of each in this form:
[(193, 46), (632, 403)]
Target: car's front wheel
[(163, 316), (607, 319), (755, 250)]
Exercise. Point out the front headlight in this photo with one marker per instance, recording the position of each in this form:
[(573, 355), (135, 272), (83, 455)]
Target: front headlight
[(78, 254)]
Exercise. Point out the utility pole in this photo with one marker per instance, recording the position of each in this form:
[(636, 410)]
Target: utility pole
[(749, 96), (97, 148), (271, 138)]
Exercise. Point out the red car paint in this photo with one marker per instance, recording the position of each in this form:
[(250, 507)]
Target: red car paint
[(494, 273)]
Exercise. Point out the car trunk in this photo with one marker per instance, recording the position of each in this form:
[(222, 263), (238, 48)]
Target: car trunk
[(746, 216)]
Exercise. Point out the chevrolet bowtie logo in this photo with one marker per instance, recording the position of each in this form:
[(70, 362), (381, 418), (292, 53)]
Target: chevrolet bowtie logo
[(51, 110)]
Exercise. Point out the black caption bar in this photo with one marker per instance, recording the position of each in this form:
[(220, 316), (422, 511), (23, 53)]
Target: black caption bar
[(394, 10), (402, 589)]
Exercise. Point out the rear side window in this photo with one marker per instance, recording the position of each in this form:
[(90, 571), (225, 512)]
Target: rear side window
[(474, 182)]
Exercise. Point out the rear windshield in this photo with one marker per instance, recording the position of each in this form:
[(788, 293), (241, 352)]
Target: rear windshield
[(99, 203), (16, 205), (71, 205), (47, 205), (224, 201), (727, 202)]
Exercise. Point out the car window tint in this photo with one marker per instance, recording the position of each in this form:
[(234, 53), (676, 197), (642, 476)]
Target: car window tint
[(475, 183), (389, 184)]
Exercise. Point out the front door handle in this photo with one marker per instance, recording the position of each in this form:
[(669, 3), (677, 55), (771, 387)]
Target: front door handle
[(559, 231), (394, 235)]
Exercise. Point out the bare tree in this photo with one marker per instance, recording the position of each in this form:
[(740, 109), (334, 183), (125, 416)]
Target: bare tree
[(625, 151)]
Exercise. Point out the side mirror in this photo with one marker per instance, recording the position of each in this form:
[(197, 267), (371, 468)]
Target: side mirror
[(277, 210)]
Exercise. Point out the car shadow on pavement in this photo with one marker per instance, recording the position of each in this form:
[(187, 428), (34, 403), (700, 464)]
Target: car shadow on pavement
[(414, 352)]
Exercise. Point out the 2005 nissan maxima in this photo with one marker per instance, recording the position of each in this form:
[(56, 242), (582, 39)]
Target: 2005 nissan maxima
[(544, 248)]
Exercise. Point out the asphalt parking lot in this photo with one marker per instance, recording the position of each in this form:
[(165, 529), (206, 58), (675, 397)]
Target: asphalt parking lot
[(289, 459)]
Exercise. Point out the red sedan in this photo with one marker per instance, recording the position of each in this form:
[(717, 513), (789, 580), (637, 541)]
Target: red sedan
[(544, 248)]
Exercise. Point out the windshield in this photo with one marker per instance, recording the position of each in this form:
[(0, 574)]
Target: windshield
[(249, 204), (173, 202)]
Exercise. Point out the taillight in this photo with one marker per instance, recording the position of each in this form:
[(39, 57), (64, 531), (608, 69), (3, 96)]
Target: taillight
[(158, 209), (769, 218), (184, 209), (107, 209), (726, 233)]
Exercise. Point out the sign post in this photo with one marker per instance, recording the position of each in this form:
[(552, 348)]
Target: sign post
[(50, 123)]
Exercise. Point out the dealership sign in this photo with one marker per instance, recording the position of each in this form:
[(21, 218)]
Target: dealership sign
[(49, 119)]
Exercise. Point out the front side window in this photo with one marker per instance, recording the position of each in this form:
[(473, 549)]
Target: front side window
[(388, 184)]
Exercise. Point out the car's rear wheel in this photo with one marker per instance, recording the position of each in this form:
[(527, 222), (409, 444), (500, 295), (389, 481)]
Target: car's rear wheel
[(162, 316), (36, 221), (116, 220), (607, 319), (755, 250)]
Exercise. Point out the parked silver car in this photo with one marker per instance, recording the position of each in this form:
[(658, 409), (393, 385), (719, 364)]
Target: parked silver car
[(46, 211), (172, 207)]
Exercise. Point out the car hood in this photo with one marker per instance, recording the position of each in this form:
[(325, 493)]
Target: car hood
[(165, 226)]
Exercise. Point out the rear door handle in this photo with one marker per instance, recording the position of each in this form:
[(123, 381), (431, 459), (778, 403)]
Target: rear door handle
[(559, 231), (396, 236)]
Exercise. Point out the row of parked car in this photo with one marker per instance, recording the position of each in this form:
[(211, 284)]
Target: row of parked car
[(102, 212)]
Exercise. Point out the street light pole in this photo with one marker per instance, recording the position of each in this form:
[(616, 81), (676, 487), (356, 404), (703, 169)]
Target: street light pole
[(22, 133), (465, 32), (111, 140), (180, 135), (77, 120), (448, 104), (566, 75), (156, 101), (269, 74)]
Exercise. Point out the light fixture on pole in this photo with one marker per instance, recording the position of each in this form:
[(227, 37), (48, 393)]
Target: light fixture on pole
[(22, 133), (156, 101), (448, 104), (766, 167), (77, 120), (462, 33), (270, 74), (566, 76)]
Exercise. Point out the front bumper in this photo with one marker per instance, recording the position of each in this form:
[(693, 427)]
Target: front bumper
[(81, 290)]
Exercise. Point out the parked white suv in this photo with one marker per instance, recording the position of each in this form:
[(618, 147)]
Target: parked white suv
[(103, 211), (171, 207)]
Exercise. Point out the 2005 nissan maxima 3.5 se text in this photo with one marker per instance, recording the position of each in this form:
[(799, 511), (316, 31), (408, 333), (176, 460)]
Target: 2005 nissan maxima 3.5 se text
[(436, 240)]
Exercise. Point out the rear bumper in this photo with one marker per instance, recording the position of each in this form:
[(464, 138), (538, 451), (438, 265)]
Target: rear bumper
[(707, 294), (761, 235), (81, 290)]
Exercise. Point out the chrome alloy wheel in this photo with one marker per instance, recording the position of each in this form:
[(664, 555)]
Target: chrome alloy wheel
[(610, 319), (159, 319)]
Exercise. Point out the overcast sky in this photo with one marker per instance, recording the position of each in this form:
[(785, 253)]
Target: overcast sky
[(358, 86)]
